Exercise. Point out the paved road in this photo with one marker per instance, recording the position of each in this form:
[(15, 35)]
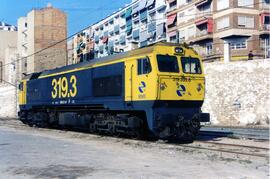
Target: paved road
[(36, 153)]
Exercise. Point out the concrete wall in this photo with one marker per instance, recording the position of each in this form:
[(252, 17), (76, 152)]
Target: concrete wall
[(7, 39), (238, 93), (7, 101)]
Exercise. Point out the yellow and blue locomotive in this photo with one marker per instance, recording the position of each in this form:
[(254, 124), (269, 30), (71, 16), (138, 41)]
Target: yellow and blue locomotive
[(156, 90)]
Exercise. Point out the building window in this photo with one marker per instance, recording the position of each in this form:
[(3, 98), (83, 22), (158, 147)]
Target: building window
[(173, 4), (223, 23), (191, 31), (247, 22), (223, 4), (246, 3), (238, 43), (144, 66), (209, 49), (266, 2), (173, 38)]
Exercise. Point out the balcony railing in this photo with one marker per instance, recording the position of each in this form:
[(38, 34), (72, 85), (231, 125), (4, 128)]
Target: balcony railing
[(201, 33), (200, 14), (266, 27)]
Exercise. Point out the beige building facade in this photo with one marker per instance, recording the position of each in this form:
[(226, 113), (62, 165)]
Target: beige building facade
[(8, 41), (38, 33), (216, 27)]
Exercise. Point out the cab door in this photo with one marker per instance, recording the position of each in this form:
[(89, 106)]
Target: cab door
[(140, 80), (129, 78), (22, 93)]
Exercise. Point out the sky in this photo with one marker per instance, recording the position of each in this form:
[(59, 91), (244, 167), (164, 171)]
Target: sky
[(80, 13)]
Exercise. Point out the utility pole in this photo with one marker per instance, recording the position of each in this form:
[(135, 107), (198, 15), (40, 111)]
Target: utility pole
[(16, 73), (227, 53)]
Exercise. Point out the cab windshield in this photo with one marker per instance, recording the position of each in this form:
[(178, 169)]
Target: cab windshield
[(191, 65), (167, 63)]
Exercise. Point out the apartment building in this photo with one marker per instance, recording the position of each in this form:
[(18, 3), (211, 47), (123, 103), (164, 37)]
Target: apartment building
[(140, 23), (7, 27), (42, 28), (82, 46), (8, 39), (213, 27)]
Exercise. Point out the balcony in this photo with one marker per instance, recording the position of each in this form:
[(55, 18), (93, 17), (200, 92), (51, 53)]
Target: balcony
[(265, 6), (203, 15), (172, 5), (201, 35), (265, 29)]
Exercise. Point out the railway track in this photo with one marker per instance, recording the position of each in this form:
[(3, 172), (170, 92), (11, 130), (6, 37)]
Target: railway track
[(233, 132), (232, 148), (236, 149)]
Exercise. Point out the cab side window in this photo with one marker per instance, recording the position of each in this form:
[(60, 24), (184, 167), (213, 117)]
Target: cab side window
[(144, 66), (21, 86)]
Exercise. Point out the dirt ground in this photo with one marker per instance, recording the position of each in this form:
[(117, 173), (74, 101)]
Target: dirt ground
[(43, 153)]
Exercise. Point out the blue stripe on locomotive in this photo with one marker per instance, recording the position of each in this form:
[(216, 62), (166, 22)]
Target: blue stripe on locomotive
[(39, 90)]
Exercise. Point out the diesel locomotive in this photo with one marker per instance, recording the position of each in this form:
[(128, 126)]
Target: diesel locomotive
[(153, 91)]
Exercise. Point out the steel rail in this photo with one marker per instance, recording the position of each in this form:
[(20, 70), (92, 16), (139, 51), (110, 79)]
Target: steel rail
[(233, 145)]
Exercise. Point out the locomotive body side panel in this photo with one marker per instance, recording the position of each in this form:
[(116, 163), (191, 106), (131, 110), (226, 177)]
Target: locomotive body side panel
[(93, 86)]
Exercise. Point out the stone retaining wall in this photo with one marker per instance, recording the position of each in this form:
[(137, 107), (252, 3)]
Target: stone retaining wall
[(238, 93)]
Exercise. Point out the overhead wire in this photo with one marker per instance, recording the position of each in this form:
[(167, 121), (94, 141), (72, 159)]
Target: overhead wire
[(86, 28)]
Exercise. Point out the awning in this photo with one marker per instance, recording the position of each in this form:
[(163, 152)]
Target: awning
[(142, 4), (96, 38), (208, 21), (143, 36), (152, 36), (110, 43), (136, 34), (106, 33), (171, 19), (143, 44), (105, 39), (152, 27), (123, 14), (116, 28), (129, 29), (173, 33), (101, 48), (202, 2), (128, 12), (135, 9), (162, 7), (129, 26), (263, 15), (150, 3), (170, 1), (160, 30), (122, 39), (201, 21), (210, 25), (111, 21), (143, 15)]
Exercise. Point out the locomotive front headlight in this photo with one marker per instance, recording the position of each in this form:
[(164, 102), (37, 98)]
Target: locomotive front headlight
[(162, 86), (199, 87)]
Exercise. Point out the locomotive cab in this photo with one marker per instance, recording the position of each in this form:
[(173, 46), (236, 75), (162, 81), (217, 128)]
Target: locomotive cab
[(174, 81)]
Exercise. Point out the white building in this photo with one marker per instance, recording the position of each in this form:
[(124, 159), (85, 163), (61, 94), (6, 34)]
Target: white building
[(140, 23)]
